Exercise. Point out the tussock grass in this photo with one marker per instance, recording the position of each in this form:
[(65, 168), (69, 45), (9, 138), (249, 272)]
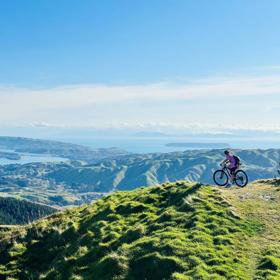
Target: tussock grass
[(173, 231)]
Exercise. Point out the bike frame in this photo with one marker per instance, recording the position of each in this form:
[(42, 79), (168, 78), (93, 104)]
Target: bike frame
[(227, 171)]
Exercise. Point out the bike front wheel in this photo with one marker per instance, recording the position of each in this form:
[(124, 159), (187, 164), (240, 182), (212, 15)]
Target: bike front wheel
[(241, 178), (220, 178)]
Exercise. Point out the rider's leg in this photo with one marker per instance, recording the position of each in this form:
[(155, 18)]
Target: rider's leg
[(232, 174)]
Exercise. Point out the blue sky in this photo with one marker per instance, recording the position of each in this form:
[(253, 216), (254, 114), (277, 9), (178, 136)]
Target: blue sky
[(57, 58), (49, 42)]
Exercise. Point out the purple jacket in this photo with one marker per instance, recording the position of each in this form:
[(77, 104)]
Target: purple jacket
[(232, 161)]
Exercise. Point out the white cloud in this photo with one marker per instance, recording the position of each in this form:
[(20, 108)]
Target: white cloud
[(54, 105)]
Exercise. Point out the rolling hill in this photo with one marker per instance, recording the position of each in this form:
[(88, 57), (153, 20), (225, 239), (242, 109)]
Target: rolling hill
[(151, 169), (14, 211), (172, 231), (74, 183), (47, 147)]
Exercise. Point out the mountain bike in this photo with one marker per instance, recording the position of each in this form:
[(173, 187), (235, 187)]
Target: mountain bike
[(221, 177)]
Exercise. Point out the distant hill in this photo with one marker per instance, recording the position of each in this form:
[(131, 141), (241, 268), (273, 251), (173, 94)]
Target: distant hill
[(152, 169), (75, 183), (14, 211), (199, 145), (172, 231), (55, 148)]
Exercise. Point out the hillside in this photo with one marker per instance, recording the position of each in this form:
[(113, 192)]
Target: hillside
[(172, 231), (75, 183), (14, 211), (47, 147), (151, 169)]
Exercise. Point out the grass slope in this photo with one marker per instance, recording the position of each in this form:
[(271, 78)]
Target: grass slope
[(173, 231), (261, 202), (16, 211)]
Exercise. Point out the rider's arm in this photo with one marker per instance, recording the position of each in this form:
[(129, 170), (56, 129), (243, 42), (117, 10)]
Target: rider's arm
[(224, 161)]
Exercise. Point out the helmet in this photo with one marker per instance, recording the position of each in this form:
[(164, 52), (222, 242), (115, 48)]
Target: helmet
[(226, 152)]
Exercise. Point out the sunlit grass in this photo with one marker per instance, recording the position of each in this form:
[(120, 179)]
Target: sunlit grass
[(173, 231)]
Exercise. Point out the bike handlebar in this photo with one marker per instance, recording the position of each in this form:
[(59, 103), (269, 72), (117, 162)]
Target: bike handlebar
[(224, 164)]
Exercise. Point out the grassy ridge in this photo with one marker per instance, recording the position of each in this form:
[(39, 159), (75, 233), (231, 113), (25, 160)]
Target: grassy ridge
[(173, 231), (261, 202)]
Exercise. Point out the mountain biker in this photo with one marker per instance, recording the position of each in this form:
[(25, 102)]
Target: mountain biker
[(232, 163)]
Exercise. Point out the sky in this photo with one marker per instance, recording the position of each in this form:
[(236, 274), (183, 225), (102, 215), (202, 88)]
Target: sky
[(149, 63)]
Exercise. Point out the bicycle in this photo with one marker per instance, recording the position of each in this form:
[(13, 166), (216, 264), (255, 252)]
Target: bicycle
[(221, 177)]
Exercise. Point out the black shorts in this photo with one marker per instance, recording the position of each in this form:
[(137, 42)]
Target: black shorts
[(232, 170)]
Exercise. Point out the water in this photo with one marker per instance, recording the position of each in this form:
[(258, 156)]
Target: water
[(158, 144), (29, 158), (144, 145), (132, 145)]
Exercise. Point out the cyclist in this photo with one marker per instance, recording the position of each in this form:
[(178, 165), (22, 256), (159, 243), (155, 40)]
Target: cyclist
[(232, 163)]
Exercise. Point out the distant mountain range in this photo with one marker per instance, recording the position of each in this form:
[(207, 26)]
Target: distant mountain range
[(75, 182), (151, 169)]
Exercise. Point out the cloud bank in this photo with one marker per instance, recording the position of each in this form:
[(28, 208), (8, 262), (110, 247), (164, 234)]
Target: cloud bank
[(207, 101)]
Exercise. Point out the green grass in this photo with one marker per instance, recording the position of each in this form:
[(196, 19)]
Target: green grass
[(172, 231), (260, 202)]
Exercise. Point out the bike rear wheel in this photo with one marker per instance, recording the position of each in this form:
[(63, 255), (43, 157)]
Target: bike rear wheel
[(220, 178), (241, 178)]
